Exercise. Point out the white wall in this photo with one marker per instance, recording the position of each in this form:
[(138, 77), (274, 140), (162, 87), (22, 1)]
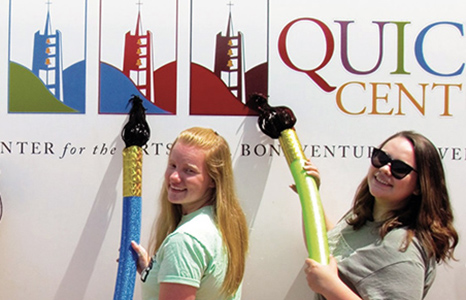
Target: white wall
[(60, 229)]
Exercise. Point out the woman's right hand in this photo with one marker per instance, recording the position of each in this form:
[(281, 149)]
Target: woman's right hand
[(311, 170), (324, 280), (143, 256)]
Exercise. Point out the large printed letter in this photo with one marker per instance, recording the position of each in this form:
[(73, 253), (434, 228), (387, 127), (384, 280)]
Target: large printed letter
[(344, 48), (282, 49), (419, 49)]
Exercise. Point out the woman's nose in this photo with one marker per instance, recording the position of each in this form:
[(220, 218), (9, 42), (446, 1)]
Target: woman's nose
[(386, 169), (174, 176)]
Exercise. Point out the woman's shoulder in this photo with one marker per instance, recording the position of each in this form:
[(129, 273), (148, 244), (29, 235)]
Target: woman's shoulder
[(199, 226), (201, 219), (411, 250)]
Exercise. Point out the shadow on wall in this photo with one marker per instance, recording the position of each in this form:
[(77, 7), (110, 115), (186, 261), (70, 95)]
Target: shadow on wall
[(82, 264), (251, 187), (299, 288)]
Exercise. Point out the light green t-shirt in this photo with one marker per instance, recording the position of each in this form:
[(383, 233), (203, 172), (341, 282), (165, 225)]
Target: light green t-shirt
[(191, 255)]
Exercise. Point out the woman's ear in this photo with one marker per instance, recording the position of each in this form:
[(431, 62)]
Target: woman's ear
[(212, 183), (417, 191)]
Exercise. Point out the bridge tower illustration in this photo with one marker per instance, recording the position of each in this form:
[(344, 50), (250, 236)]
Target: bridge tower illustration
[(229, 60), (47, 61), (137, 61)]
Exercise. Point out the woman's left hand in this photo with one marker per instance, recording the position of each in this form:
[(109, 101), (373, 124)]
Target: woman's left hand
[(311, 170), (143, 257)]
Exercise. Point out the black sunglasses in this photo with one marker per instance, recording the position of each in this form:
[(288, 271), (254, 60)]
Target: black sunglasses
[(398, 168)]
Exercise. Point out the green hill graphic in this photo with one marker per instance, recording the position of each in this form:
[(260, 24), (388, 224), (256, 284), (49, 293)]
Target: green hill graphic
[(27, 93)]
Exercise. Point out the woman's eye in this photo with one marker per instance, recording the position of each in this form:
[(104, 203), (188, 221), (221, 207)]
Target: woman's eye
[(190, 171)]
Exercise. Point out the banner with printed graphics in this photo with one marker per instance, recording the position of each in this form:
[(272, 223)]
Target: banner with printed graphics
[(352, 72)]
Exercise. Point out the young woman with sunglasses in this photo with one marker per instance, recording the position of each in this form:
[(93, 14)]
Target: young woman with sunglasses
[(400, 226)]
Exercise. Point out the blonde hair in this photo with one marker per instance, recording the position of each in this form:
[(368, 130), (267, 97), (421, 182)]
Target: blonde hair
[(229, 215)]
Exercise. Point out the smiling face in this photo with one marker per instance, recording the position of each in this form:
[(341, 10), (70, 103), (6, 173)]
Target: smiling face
[(187, 179), (391, 193)]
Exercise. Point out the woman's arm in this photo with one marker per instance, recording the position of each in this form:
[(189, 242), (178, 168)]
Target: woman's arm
[(324, 280), (175, 291), (168, 291)]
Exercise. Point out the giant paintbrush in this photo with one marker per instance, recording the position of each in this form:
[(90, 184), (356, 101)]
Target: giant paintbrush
[(135, 134), (278, 122)]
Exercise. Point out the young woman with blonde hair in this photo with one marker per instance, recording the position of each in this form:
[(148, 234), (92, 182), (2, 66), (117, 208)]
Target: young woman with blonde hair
[(199, 242)]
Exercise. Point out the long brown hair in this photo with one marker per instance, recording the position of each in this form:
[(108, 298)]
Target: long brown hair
[(427, 215), (229, 215)]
